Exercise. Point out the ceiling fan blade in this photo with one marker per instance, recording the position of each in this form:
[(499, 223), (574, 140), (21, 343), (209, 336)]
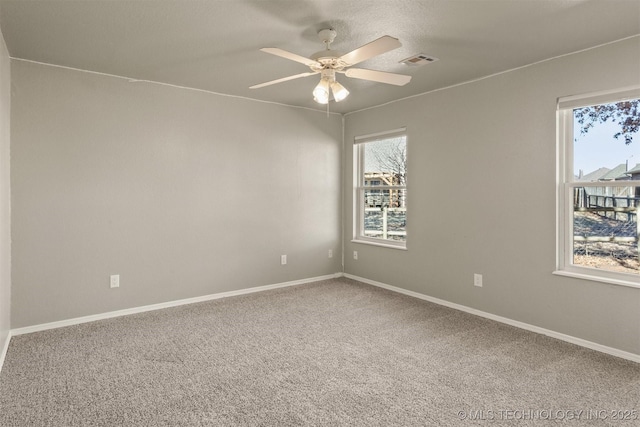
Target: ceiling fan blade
[(291, 56), (284, 79), (378, 76), (369, 50)]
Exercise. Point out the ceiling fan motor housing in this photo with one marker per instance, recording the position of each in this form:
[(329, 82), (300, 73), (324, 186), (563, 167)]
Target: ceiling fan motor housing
[(329, 59)]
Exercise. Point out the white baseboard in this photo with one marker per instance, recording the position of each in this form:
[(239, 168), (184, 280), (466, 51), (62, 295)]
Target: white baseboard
[(142, 309), (568, 338), (5, 347), (78, 320)]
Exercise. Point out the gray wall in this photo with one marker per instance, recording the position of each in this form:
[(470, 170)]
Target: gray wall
[(185, 193), (182, 193), (5, 195), (481, 182)]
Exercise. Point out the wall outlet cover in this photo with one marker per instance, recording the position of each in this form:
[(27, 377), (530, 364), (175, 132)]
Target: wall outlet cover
[(114, 281), (477, 280)]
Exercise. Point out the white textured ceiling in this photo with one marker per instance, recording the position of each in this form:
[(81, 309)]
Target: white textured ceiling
[(214, 45)]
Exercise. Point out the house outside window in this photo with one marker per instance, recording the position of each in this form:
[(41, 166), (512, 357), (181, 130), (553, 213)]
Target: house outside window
[(599, 187), (380, 182)]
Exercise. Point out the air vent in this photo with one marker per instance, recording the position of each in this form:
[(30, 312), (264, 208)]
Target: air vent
[(419, 59)]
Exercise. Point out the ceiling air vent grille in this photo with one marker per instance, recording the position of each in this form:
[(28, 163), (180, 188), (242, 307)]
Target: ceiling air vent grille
[(419, 59)]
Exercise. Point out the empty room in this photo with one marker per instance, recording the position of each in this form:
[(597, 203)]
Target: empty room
[(319, 212)]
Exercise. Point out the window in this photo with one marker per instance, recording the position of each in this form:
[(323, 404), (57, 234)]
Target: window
[(599, 186), (380, 167)]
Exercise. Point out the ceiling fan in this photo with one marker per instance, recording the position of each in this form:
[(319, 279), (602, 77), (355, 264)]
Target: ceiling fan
[(328, 62)]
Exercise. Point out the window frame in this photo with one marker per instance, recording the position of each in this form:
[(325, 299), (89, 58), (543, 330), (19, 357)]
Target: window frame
[(565, 184), (359, 189)]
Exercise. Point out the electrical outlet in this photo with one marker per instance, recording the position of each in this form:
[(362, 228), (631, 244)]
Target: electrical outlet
[(477, 280), (330, 253), (114, 281), (355, 254), (283, 259)]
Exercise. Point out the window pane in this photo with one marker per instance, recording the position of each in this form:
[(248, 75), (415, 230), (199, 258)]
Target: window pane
[(385, 214), (605, 231), (385, 162), (605, 228), (602, 151)]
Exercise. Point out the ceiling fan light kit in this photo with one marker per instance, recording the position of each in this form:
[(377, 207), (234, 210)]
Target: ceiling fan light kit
[(339, 91), (328, 80), (321, 92), (328, 62)]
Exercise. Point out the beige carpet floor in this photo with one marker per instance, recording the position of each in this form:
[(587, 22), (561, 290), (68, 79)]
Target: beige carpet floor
[(332, 353)]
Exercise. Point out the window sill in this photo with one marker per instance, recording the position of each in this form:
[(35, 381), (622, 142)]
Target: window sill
[(382, 244), (608, 280)]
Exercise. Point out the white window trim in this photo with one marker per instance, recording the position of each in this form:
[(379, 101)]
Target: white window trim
[(359, 188), (565, 185)]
